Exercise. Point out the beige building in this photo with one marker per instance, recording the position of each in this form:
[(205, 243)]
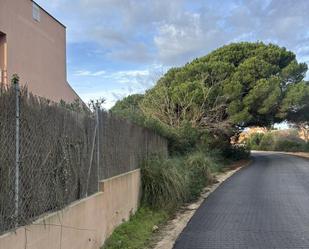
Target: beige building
[(33, 45)]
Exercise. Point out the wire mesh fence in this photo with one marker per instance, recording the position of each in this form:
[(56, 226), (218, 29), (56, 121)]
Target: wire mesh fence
[(57, 156), (7, 158), (124, 145)]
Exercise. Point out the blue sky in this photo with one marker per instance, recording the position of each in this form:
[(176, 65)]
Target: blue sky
[(120, 47)]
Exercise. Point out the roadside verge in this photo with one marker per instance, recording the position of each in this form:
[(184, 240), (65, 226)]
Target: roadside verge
[(300, 154), (167, 235)]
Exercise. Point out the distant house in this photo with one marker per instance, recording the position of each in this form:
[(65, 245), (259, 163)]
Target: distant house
[(33, 45)]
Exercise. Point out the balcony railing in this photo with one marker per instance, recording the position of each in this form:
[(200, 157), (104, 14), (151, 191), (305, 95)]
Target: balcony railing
[(3, 76)]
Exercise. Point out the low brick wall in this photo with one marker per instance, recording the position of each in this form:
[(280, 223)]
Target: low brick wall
[(85, 224)]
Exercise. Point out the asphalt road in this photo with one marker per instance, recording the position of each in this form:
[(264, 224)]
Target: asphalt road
[(265, 205)]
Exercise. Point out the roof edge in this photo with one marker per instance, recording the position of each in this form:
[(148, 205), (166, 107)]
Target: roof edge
[(49, 14)]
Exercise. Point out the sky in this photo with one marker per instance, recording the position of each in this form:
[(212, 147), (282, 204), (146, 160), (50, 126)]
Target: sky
[(120, 47)]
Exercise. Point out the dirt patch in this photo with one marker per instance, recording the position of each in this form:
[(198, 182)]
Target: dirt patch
[(167, 235)]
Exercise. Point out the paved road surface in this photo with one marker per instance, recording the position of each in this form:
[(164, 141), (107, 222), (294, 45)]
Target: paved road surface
[(265, 205)]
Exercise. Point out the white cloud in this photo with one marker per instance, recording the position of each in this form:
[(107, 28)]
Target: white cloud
[(89, 73), (196, 33), (180, 41), (135, 53), (82, 73), (124, 83), (99, 73), (142, 34), (111, 96), (175, 31)]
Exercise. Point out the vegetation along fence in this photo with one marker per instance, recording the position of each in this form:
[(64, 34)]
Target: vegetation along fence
[(51, 156)]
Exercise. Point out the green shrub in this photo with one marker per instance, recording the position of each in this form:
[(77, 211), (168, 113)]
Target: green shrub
[(254, 141), (267, 142), (286, 145), (168, 183), (164, 182), (306, 147), (199, 168), (277, 141), (235, 153)]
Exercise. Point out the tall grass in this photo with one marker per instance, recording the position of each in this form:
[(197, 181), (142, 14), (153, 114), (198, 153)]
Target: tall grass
[(168, 183), (164, 182), (199, 168)]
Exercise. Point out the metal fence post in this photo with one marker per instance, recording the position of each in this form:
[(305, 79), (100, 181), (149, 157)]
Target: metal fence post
[(94, 139), (98, 146), (15, 81)]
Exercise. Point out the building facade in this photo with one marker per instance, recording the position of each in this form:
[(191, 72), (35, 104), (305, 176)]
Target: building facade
[(33, 45)]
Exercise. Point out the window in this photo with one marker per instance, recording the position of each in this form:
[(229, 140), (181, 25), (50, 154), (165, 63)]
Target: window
[(36, 12)]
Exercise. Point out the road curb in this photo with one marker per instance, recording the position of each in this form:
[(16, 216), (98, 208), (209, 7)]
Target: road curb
[(299, 154), (168, 235)]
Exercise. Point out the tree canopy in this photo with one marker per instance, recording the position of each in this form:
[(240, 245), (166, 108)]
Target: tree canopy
[(241, 84), (238, 85), (129, 107)]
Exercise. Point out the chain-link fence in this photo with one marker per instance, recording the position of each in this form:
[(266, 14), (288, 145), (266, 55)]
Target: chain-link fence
[(124, 145), (7, 158), (51, 156)]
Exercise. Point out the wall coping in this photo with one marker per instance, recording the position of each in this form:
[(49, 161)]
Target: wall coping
[(119, 176)]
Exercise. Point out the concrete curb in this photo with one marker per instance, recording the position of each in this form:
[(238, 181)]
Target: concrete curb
[(169, 233), (299, 154)]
